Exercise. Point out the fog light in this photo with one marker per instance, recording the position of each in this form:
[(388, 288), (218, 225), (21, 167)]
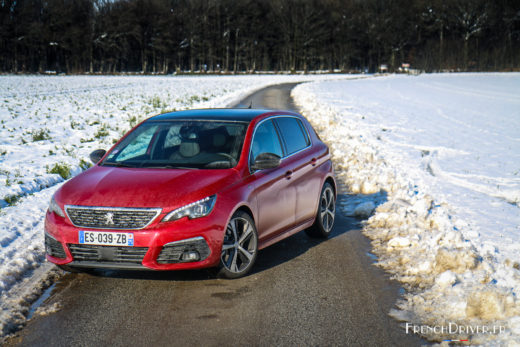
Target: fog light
[(190, 256)]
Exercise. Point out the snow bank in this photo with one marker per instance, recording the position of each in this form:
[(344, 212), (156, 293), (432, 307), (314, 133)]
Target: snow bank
[(23, 271), (48, 127), (434, 147)]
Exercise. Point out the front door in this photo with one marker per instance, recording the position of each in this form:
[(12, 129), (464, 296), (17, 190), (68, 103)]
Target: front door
[(276, 197)]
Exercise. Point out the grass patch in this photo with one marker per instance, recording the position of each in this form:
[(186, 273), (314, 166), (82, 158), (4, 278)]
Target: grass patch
[(83, 164), (168, 110), (102, 132), (11, 199), (194, 98), (40, 135), (61, 169), (133, 121), (70, 152), (156, 102)]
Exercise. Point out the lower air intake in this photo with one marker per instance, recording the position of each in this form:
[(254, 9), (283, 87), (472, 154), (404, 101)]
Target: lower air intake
[(54, 248), (176, 252), (107, 254)]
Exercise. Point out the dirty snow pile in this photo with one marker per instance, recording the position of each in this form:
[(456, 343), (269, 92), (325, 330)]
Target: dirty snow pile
[(434, 160), (49, 125)]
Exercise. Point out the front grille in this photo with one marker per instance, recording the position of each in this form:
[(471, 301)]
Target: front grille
[(172, 253), (107, 254), (111, 217), (54, 248)]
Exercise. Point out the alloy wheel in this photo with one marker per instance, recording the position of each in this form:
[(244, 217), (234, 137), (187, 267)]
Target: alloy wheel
[(327, 209), (240, 245)]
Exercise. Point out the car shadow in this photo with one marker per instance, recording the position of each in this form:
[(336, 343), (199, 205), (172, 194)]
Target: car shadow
[(272, 256), (298, 244)]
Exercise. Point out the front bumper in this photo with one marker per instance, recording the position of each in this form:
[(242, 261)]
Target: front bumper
[(178, 245)]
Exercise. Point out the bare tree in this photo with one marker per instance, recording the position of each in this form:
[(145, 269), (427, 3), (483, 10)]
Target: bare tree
[(470, 17), (163, 36)]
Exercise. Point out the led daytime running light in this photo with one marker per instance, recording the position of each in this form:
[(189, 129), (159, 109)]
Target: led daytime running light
[(54, 207), (196, 209)]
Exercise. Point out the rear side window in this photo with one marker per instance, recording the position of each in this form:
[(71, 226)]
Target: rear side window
[(293, 134)]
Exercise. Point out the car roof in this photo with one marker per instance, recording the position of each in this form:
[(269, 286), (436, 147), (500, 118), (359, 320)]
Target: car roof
[(226, 114)]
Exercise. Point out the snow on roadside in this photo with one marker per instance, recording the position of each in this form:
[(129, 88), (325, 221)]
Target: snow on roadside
[(457, 272), (24, 274), (50, 120)]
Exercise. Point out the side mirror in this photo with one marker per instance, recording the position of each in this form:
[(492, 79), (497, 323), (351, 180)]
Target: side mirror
[(266, 161), (96, 156)]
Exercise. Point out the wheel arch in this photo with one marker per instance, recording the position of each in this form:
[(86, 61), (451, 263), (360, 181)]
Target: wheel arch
[(332, 182), (245, 209)]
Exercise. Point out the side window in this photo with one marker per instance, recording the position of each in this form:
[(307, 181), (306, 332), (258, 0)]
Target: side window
[(265, 140), (293, 134)]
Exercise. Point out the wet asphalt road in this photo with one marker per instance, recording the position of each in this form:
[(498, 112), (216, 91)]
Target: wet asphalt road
[(302, 292)]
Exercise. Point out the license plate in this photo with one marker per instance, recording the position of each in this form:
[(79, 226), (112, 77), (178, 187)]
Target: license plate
[(106, 238)]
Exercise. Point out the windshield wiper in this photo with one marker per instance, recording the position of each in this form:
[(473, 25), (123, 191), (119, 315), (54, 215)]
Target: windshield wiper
[(172, 167), (116, 164)]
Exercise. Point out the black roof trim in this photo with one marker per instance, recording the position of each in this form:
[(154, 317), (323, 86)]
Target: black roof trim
[(226, 114)]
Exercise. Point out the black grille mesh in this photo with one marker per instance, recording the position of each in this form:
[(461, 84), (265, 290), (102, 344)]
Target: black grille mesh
[(54, 248), (106, 218), (172, 253), (107, 254)]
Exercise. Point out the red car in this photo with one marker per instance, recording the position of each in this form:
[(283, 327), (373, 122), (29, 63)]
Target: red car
[(194, 189)]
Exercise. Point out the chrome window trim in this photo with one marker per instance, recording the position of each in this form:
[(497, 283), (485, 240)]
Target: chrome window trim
[(106, 208), (180, 242), (286, 156)]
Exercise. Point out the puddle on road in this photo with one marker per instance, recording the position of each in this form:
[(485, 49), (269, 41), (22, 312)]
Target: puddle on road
[(45, 295), (372, 257)]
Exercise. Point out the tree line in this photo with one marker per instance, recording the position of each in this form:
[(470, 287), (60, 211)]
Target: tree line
[(165, 36)]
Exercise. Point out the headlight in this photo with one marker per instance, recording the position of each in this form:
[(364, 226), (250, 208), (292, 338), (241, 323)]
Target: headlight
[(54, 207), (196, 209)]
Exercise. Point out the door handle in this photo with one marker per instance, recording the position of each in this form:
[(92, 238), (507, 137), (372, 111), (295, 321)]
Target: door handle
[(314, 161), (288, 174)]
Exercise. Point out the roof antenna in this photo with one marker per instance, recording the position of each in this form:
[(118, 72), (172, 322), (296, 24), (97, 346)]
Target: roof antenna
[(250, 104)]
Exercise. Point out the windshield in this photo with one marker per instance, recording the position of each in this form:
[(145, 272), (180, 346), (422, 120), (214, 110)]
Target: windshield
[(180, 144)]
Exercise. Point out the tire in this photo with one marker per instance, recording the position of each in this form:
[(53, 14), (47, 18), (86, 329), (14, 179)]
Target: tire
[(240, 246), (324, 221)]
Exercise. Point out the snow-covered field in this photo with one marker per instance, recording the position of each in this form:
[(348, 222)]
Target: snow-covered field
[(443, 153), (49, 125)]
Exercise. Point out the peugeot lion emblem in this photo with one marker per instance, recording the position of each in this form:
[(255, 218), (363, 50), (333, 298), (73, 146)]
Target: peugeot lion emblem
[(109, 218)]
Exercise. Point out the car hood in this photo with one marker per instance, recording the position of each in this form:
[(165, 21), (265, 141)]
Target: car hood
[(135, 187)]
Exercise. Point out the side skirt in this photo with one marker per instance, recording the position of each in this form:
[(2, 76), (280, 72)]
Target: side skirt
[(304, 225)]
